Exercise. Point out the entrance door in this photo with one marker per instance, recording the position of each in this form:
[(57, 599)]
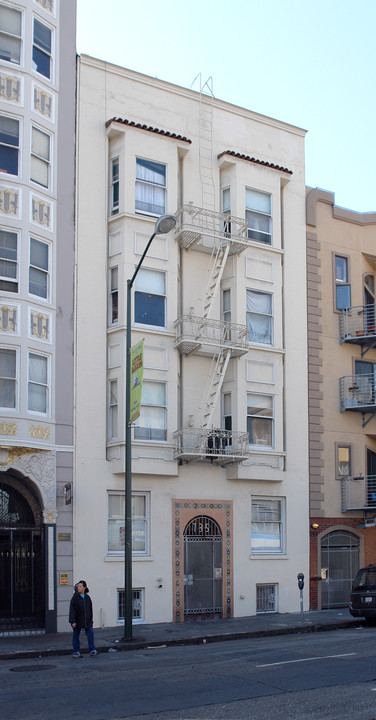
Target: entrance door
[(339, 565), (202, 568), (21, 563)]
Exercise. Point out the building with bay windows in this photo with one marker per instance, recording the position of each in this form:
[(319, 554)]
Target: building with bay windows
[(37, 145), (341, 262), (219, 452)]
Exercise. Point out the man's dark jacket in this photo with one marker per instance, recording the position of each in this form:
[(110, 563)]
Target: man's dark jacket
[(81, 611)]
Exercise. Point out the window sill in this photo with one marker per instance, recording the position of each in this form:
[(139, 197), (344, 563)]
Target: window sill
[(267, 556), (120, 558)]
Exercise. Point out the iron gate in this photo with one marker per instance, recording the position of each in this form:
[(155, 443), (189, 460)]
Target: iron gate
[(339, 565), (202, 567)]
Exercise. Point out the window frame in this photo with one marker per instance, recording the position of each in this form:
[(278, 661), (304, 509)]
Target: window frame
[(45, 385), (12, 36), (3, 278), (113, 297), (15, 148), (14, 351), (144, 293), (338, 447), (113, 409), (271, 418), (150, 184), (145, 518), (138, 428), (267, 550), (42, 50), (47, 272), (115, 186), (268, 215), (47, 162), (261, 314), (339, 283)]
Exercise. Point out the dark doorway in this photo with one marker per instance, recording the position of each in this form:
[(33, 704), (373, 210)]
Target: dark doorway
[(21, 562), (339, 565)]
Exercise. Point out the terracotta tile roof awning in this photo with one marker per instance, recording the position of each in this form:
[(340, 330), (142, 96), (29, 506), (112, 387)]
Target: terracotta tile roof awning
[(149, 128), (255, 160)]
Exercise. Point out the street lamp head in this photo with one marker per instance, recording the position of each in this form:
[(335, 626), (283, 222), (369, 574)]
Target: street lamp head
[(164, 224)]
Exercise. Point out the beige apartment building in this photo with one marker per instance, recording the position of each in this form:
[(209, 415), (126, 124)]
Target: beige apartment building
[(341, 269), (220, 450)]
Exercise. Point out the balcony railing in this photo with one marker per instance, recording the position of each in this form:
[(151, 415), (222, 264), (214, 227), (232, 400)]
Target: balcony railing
[(203, 229), (216, 445), (207, 336), (358, 392), (357, 325), (358, 493)]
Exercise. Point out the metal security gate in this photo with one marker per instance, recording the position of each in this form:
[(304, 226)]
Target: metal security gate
[(21, 563), (339, 565), (202, 568)]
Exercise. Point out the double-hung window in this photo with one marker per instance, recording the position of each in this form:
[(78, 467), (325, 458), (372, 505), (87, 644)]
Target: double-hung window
[(150, 298), (260, 317), (113, 310), (8, 261), (39, 269), (226, 209), (115, 186), (40, 157), (152, 422), (343, 288), (267, 521), (9, 145), (42, 49), (259, 216), (8, 378), (343, 461), (150, 187), (38, 383), (140, 523), (113, 410), (10, 34), (260, 420)]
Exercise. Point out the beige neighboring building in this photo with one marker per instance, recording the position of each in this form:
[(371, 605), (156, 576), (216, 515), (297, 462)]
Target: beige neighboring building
[(220, 451), (341, 271)]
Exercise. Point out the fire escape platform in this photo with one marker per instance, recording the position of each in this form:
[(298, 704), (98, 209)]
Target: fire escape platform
[(205, 230), (211, 445), (208, 337)]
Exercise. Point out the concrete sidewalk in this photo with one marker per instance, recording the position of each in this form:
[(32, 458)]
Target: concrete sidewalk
[(144, 636)]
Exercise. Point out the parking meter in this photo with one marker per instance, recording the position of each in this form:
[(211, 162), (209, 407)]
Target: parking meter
[(301, 586)]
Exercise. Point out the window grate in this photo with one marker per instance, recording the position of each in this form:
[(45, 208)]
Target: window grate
[(266, 598), (137, 605)]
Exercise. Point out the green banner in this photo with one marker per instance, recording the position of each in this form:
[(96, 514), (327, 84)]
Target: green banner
[(137, 372)]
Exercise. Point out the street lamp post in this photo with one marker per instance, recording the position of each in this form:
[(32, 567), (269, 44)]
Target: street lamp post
[(164, 224)]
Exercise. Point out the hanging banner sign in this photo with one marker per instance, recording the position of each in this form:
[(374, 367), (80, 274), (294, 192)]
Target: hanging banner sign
[(137, 372)]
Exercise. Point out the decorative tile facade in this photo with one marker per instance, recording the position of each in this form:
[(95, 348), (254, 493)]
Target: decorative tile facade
[(9, 202), (10, 88), (8, 318), (41, 212), (39, 325)]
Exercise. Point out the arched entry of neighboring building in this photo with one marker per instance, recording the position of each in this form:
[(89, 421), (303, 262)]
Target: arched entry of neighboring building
[(203, 568), (339, 564), (21, 557)]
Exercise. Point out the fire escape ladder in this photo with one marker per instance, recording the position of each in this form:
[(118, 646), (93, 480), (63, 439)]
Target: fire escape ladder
[(216, 273), (215, 387), (206, 144)]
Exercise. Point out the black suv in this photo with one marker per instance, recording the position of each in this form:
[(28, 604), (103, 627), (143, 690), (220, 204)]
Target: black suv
[(363, 594)]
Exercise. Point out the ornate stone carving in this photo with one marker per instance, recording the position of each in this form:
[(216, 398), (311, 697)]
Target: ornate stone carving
[(41, 212), (8, 201), (7, 428), (42, 432), (39, 466), (39, 325), (10, 87), (42, 102), (8, 318), (46, 4)]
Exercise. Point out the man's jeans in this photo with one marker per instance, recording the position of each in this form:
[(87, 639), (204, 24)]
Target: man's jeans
[(76, 639)]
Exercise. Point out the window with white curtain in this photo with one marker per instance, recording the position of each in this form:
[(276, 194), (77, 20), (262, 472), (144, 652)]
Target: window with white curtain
[(140, 523), (8, 261), (150, 298), (113, 410), (42, 49), (152, 423), (10, 34), (150, 187), (259, 215), (38, 383), (267, 525), (8, 378), (260, 420), (260, 317), (9, 145), (40, 157), (39, 268)]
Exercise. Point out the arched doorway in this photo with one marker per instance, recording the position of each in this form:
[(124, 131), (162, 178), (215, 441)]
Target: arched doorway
[(203, 568), (21, 558), (339, 564)]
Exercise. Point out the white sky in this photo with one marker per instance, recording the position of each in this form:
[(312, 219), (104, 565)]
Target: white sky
[(311, 63)]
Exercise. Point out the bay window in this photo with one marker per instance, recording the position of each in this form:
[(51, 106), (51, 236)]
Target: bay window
[(150, 298), (38, 383), (42, 49), (150, 187), (40, 157), (8, 360), (260, 420), (9, 145), (10, 34), (152, 423), (260, 317), (258, 214), (39, 268), (8, 261)]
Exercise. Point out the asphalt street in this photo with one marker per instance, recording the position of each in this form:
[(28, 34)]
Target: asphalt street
[(326, 676)]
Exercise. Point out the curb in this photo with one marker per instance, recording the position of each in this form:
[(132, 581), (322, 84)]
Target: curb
[(142, 644)]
